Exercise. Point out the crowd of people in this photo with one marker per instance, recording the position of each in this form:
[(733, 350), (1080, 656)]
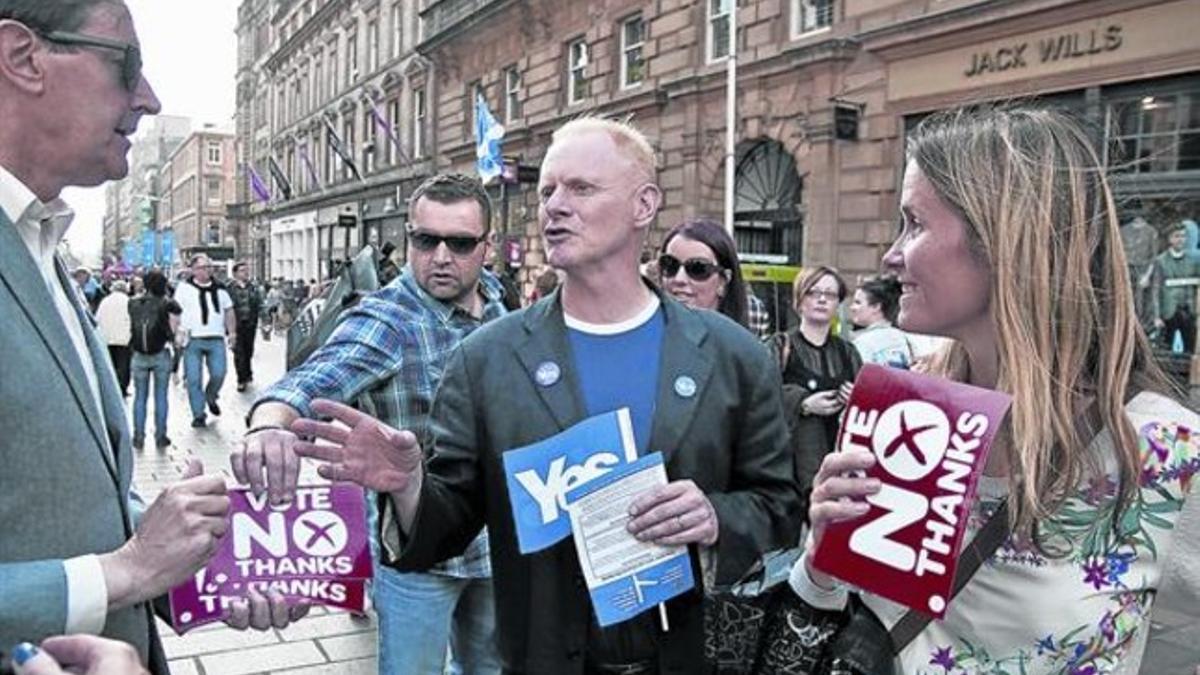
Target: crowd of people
[(1014, 269)]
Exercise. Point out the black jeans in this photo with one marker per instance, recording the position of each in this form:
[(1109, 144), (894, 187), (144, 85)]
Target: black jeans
[(121, 355), (243, 350)]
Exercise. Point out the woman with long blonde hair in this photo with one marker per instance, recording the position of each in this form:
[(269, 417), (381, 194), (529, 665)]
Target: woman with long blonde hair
[(1010, 247)]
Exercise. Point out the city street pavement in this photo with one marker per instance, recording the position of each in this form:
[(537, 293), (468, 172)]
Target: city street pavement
[(325, 642)]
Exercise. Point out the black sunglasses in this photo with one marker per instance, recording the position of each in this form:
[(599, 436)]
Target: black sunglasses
[(131, 63), (458, 245), (697, 269)]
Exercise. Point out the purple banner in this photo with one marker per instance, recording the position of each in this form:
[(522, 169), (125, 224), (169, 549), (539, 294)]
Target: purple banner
[(314, 549)]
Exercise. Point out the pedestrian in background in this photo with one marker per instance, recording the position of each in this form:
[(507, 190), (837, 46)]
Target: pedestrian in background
[(546, 283), (699, 268), (818, 370), (155, 321), (1175, 277), (247, 305), (207, 321), (873, 311), (112, 319), (91, 291), (388, 269)]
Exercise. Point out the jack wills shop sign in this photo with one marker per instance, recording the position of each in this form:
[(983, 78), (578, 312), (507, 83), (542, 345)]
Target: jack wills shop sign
[(1144, 33)]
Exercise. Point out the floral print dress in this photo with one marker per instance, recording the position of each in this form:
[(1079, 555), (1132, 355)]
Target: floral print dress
[(1084, 610)]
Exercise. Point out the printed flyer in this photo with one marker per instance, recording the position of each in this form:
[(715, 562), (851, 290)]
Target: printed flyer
[(624, 575)]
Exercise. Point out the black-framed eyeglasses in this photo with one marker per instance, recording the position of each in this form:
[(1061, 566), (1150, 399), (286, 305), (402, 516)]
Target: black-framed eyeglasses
[(697, 269), (832, 296), (131, 62), (458, 244)]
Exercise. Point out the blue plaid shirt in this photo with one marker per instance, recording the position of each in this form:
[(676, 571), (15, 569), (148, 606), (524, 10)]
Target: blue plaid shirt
[(388, 352), (757, 317)]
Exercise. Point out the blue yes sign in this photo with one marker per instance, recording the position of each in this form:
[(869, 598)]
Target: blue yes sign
[(539, 476)]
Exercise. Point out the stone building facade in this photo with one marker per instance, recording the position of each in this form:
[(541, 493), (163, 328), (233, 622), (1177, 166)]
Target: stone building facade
[(133, 203), (826, 91), (315, 76), (197, 182)]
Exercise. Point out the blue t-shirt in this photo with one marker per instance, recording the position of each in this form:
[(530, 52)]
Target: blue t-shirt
[(618, 367)]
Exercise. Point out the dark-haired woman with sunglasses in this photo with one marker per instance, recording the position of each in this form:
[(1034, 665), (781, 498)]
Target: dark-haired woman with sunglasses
[(818, 369), (698, 267)]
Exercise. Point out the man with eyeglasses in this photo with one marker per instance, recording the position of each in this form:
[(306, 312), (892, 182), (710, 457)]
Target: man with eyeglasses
[(79, 551), (387, 354), (700, 389)]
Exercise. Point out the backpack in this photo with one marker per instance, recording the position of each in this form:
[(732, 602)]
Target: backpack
[(148, 319)]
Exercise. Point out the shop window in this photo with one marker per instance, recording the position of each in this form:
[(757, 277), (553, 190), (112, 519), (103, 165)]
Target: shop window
[(1156, 133)]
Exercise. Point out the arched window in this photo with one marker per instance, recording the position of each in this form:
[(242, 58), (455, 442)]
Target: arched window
[(768, 215)]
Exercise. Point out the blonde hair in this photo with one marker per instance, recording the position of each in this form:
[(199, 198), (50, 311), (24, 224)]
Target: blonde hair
[(632, 143), (808, 278), (1040, 215)]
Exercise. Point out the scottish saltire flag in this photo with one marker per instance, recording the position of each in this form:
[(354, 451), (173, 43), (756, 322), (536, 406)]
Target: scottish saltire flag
[(382, 124), (488, 133), (258, 187), (312, 170)]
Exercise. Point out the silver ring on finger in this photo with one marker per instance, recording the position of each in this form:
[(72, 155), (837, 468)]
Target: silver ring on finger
[(679, 523)]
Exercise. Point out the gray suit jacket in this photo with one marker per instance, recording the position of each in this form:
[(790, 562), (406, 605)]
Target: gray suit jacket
[(727, 435), (62, 494)]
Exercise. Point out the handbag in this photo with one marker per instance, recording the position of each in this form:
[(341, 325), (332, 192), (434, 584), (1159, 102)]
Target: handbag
[(737, 616), (797, 640)]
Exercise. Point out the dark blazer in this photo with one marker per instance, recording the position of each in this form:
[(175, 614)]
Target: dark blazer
[(729, 438), (61, 492)]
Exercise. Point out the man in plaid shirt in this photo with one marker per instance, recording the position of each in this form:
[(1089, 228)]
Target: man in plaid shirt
[(758, 320), (389, 352)]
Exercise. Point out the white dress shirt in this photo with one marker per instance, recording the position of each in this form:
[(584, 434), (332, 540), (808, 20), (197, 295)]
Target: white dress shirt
[(42, 226)]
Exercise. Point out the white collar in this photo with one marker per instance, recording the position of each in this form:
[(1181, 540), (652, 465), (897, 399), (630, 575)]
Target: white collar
[(615, 328), (28, 213)]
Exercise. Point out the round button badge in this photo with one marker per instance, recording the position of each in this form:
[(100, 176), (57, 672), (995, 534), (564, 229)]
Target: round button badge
[(685, 386), (547, 373)]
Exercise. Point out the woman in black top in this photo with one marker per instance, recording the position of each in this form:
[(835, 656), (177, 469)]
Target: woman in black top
[(818, 370)]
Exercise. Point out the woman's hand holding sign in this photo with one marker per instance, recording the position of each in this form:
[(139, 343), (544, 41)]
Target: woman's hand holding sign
[(675, 514), (364, 451), (838, 494)]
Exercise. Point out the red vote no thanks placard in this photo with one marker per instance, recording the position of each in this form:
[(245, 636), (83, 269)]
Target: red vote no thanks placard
[(930, 437)]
